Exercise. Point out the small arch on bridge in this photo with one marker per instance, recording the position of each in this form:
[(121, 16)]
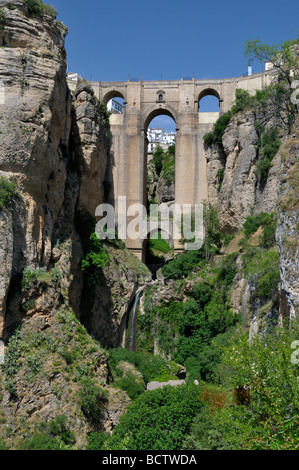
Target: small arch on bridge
[(111, 95), (209, 100)]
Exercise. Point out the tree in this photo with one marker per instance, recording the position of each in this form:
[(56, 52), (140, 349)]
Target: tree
[(158, 156), (283, 57)]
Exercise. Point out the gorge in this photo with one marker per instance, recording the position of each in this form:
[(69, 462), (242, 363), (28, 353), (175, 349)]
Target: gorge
[(221, 319)]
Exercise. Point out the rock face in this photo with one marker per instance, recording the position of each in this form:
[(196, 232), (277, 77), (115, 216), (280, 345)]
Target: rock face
[(240, 193), (287, 234), (54, 145)]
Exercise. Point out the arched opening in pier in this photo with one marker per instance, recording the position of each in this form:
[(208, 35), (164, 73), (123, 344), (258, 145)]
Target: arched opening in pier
[(160, 152)]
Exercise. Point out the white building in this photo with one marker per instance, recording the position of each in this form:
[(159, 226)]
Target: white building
[(158, 136), (114, 106)]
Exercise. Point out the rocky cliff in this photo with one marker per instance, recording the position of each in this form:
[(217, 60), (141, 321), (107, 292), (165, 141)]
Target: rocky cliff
[(54, 146), (239, 189), (54, 149)]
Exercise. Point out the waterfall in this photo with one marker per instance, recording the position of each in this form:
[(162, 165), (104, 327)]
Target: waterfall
[(245, 304), (133, 321)]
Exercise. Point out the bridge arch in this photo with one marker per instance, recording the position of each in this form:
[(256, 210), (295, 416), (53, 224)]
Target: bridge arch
[(155, 111), (113, 94), (208, 92)]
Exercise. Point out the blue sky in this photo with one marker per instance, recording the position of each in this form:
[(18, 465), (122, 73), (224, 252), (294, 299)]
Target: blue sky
[(170, 39)]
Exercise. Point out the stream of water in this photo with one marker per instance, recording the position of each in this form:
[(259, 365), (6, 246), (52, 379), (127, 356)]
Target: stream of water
[(245, 305), (132, 344)]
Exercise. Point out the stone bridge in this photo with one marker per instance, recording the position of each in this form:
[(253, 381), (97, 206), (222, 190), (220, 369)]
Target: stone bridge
[(179, 99)]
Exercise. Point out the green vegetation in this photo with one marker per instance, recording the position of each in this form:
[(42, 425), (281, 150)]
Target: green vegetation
[(283, 56), (165, 161), (215, 136), (261, 413), (158, 155), (54, 435), (2, 19), (92, 397), (152, 368), (157, 420), (184, 330), (39, 8), (262, 269), (95, 259), (181, 265), (159, 245), (8, 190), (64, 356), (276, 98), (265, 220), (31, 277), (269, 144)]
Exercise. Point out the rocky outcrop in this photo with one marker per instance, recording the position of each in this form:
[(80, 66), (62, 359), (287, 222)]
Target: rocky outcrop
[(54, 145), (91, 147), (239, 192), (287, 234)]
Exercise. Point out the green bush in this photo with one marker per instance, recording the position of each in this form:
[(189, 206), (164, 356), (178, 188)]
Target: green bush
[(130, 385), (262, 269), (181, 265), (8, 190), (39, 8), (158, 156), (157, 420), (95, 260), (152, 368), (215, 137), (269, 144), (91, 399), (159, 245), (266, 415), (2, 19), (54, 435), (228, 238), (252, 223), (29, 278)]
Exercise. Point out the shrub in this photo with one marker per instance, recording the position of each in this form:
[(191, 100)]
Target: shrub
[(55, 275), (151, 367), (39, 8), (159, 245), (91, 399), (29, 278), (252, 223), (263, 271), (131, 385), (269, 144), (215, 137), (95, 259), (268, 418), (8, 190), (157, 420), (2, 19), (54, 435), (181, 265), (158, 156)]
